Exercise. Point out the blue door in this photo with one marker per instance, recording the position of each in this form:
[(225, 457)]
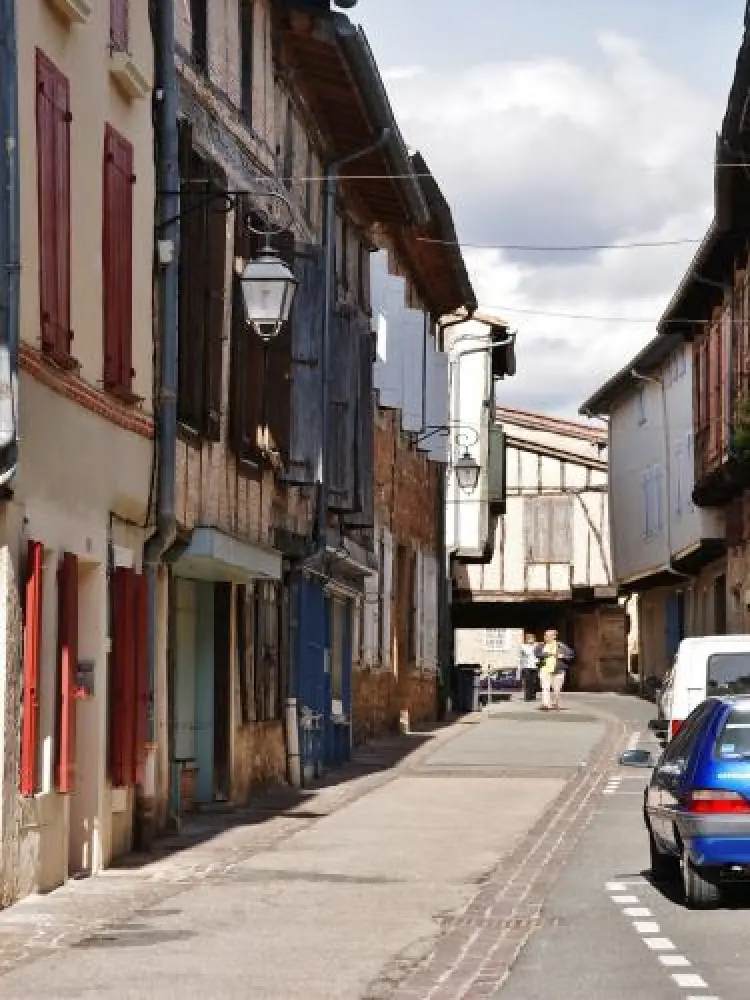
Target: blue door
[(311, 675)]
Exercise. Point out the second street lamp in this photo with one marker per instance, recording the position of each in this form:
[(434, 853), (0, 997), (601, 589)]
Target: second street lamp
[(467, 471), (268, 289)]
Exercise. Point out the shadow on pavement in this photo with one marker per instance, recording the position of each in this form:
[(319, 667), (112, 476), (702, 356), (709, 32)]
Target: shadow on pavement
[(273, 802)]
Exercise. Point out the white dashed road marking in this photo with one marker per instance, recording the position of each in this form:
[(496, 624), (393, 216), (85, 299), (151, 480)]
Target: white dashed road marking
[(664, 949)]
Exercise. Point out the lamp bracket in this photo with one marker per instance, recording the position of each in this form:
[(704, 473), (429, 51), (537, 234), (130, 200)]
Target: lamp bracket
[(227, 200), (464, 435)]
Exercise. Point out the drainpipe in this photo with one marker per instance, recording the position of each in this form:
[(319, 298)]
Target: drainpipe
[(168, 200), (11, 266)]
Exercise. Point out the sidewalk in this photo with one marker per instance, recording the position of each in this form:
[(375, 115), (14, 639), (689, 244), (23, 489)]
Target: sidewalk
[(342, 892)]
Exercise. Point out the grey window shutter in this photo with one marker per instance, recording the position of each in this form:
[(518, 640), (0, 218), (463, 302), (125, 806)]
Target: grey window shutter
[(305, 389), (343, 391), (363, 515)]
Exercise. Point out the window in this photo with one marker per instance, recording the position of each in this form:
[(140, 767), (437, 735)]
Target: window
[(118, 25), (258, 635), (202, 297), (117, 262), (53, 120), (652, 488), (679, 750), (728, 673), (129, 684), (733, 742), (247, 40), (32, 647), (260, 407), (548, 528), (496, 640), (199, 33)]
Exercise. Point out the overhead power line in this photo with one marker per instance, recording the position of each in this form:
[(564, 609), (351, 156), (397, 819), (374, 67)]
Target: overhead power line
[(555, 248)]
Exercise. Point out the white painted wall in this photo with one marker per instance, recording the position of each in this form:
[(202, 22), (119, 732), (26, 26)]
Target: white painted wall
[(643, 515), (531, 474)]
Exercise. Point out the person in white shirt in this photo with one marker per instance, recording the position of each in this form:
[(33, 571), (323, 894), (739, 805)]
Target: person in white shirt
[(528, 667)]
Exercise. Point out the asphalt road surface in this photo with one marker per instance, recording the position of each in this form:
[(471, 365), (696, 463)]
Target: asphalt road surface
[(608, 934)]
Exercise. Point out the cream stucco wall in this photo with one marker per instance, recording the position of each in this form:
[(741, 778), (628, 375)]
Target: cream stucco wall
[(85, 459)]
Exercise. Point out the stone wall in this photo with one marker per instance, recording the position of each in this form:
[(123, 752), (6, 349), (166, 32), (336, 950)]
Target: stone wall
[(13, 874)]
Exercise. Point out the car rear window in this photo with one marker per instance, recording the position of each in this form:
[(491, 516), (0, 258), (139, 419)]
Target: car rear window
[(728, 673), (733, 742)]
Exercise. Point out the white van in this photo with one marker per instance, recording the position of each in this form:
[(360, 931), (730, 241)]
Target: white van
[(705, 666)]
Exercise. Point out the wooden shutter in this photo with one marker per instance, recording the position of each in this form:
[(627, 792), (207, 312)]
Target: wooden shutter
[(561, 529), (117, 261), (123, 709), (305, 375), (342, 409), (32, 641), (279, 368), (387, 592), (141, 679), (53, 190), (363, 515), (214, 313), (118, 25), (67, 667)]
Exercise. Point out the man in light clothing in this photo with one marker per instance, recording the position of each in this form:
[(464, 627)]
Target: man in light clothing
[(554, 659)]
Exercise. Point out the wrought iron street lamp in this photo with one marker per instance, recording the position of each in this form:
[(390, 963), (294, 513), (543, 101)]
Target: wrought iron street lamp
[(467, 471), (268, 289)]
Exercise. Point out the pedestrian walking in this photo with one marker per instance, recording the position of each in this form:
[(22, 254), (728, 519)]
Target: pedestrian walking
[(529, 667), (554, 659)]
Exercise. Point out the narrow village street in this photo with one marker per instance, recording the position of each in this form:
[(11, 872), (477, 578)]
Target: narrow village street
[(421, 872)]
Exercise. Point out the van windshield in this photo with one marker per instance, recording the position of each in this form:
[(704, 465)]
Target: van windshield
[(728, 673), (733, 742)]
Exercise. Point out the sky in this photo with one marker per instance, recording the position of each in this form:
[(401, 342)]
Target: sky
[(565, 123)]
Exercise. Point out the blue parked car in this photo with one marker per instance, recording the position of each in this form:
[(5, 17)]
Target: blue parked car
[(697, 804)]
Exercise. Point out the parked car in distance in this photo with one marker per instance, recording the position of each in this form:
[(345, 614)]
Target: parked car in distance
[(501, 682), (697, 804), (704, 666)]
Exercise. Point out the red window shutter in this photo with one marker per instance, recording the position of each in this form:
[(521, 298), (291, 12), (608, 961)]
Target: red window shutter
[(32, 640), (67, 661), (117, 261), (142, 694), (118, 25), (123, 695), (53, 189)]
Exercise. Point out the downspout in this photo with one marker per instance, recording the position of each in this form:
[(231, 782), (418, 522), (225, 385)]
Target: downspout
[(11, 266), (168, 228)]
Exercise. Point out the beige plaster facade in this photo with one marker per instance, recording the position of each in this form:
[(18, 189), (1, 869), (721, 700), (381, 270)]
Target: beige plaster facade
[(85, 456)]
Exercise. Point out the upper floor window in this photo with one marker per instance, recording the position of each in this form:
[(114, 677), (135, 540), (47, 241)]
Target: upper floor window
[(202, 297), (199, 33), (652, 485), (247, 40), (548, 529), (117, 262), (119, 25), (53, 120)]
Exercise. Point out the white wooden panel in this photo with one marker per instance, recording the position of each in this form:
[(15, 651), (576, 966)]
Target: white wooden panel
[(559, 577), (582, 541), (411, 334), (511, 469), (529, 471), (419, 608), (551, 473), (513, 547), (575, 476), (537, 577)]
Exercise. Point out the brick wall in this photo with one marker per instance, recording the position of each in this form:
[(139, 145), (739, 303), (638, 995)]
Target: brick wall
[(379, 698), (406, 493)]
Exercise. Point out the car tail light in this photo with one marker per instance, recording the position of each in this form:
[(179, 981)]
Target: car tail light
[(716, 800), (674, 727)]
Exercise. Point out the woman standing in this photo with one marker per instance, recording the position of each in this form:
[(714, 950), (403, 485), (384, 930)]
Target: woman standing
[(528, 667)]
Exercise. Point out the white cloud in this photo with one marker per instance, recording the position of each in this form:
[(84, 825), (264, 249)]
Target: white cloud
[(397, 73), (549, 152)]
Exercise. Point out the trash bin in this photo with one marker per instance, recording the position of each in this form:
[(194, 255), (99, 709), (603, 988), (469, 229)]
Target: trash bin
[(469, 679)]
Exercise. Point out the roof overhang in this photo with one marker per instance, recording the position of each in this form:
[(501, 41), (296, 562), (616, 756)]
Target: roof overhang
[(335, 70), (434, 251), (648, 360)]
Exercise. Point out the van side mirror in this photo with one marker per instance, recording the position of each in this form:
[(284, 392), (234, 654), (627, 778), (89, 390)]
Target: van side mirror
[(636, 758)]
